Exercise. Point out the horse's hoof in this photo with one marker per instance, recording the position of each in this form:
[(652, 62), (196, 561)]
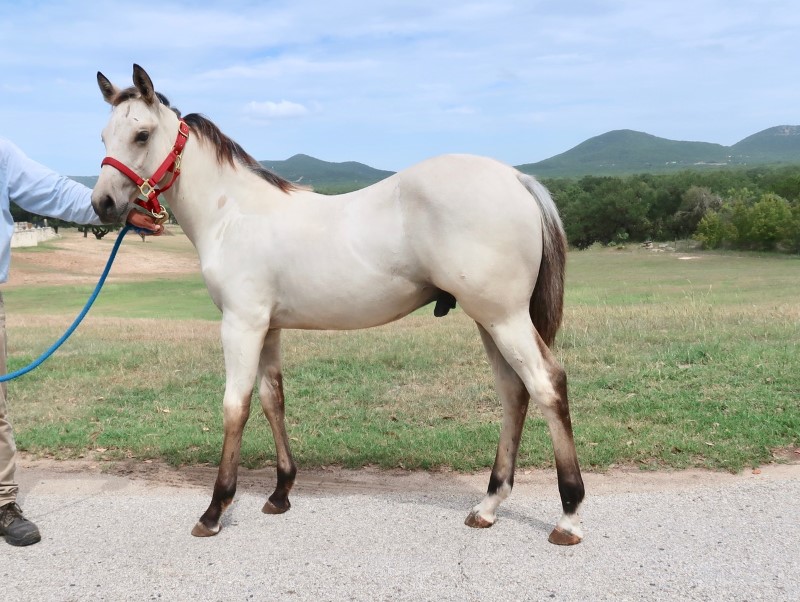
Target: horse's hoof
[(200, 530), (270, 508), (476, 521), (563, 538)]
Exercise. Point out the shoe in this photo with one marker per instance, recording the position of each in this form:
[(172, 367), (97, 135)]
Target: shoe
[(18, 530)]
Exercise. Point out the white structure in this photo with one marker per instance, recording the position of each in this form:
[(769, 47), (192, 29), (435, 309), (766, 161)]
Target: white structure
[(26, 235)]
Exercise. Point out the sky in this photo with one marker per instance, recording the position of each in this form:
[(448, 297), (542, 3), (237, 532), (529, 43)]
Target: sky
[(390, 83)]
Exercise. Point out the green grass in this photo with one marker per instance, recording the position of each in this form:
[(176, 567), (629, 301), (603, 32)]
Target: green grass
[(176, 298), (671, 363)]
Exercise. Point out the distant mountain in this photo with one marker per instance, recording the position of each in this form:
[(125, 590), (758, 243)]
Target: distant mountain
[(780, 144), (626, 151), (89, 181), (323, 175)]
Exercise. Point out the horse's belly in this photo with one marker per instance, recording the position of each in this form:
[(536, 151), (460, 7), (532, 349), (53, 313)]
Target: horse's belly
[(349, 309)]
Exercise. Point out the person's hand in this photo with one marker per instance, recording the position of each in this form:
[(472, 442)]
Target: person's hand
[(145, 223)]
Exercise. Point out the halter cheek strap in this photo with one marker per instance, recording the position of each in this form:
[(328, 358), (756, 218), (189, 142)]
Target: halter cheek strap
[(148, 188)]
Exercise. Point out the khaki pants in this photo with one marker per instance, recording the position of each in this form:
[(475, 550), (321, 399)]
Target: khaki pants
[(8, 486)]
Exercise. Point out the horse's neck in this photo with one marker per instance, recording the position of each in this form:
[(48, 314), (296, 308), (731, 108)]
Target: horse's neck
[(201, 191)]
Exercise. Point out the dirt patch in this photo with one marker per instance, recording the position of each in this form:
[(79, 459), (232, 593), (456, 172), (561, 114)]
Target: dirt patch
[(73, 259), (338, 481)]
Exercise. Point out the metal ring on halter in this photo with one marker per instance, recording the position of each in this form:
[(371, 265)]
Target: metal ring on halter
[(160, 218)]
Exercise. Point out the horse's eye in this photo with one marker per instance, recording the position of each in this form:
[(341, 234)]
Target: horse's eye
[(142, 136)]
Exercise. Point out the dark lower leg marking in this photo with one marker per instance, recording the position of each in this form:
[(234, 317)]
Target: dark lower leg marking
[(495, 483), (274, 408), (570, 483), (220, 500), (570, 488), (278, 502)]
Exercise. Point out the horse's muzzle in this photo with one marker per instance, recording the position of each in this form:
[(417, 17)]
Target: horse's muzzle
[(106, 209)]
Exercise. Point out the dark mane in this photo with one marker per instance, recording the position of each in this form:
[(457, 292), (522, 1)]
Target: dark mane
[(227, 150), (230, 151)]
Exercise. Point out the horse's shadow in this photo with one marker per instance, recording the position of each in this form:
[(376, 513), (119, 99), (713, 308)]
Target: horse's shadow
[(453, 503)]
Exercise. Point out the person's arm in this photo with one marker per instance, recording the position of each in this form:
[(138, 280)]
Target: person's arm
[(42, 191)]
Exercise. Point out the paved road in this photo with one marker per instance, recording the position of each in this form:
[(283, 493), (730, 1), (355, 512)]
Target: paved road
[(376, 536)]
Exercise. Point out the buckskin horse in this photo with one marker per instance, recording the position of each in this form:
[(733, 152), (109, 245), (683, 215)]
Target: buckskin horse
[(276, 256)]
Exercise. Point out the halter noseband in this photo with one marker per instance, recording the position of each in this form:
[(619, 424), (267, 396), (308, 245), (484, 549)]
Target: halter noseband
[(149, 188)]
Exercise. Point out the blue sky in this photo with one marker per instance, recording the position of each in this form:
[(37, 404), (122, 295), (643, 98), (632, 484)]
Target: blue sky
[(390, 83)]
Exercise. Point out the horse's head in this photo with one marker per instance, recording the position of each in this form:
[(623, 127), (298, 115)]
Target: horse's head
[(138, 136)]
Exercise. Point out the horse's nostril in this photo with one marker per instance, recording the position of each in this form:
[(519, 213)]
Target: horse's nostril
[(107, 206)]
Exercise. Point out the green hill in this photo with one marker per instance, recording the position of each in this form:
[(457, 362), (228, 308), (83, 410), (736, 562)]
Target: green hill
[(89, 181), (325, 176), (780, 144), (625, 151)]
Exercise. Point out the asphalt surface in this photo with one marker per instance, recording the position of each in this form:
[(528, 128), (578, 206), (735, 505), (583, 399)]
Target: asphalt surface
[(370, 535)]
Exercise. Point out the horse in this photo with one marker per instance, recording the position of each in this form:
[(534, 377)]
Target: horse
[(275, 256)]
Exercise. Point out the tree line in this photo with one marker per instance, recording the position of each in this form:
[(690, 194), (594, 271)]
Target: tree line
[(756, 208)]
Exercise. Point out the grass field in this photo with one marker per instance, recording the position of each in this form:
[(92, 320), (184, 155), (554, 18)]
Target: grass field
[(672, 362)]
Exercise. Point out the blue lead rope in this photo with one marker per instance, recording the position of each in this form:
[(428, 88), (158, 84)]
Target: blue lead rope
[(71, 329)]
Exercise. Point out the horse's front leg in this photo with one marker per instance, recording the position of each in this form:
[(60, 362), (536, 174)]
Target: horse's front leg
[(271, 395), (241, 344)]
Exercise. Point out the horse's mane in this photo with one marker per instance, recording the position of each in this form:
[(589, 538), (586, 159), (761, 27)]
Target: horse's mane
[(227, 150), (230, 151)]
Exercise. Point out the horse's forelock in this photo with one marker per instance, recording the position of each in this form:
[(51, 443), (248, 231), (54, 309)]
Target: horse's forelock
[(123, 95), (132, 93)]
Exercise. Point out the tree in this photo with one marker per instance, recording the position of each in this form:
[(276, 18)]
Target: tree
[(713, 230), (771, 222), (696, 202)]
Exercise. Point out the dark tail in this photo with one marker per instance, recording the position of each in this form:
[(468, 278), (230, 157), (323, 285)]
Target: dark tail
[(547, 301)]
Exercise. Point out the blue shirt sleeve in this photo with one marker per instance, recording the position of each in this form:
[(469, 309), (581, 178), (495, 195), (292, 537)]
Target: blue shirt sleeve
[(44, 192)]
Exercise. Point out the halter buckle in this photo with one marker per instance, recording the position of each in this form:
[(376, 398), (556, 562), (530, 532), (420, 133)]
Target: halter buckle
[(147, 189)]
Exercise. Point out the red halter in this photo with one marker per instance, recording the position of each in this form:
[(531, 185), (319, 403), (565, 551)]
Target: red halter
[(149, 187)]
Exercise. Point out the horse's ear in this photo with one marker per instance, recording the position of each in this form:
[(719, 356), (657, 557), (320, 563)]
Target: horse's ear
[(144, 84), (108, 89)]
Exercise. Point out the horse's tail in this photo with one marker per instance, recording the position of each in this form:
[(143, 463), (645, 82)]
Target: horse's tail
[(547, 301)]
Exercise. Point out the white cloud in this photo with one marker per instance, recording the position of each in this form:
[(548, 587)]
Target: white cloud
[(285, 109)]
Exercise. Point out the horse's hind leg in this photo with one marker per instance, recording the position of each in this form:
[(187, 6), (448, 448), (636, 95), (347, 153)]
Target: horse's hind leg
[(514, 398), (271, 395), (241, 344), (523, 349)]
